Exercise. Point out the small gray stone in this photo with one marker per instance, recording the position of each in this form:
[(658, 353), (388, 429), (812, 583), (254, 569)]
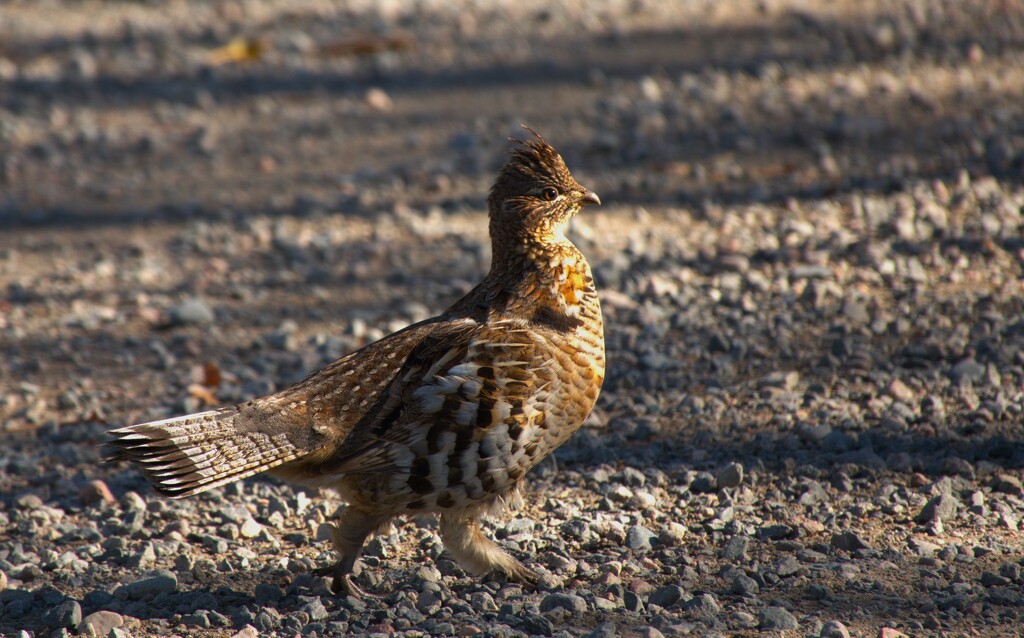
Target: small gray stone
[(483, 602), (633, 477), (537, 625), (742, 620), (1011, 596), (66, 615), (730, 476), (315, 609), (812, 272), (775, 532), (940, 508), (632, 602), (787, 566), (190, 311), (159, 582), (703, 605), (639, 538), (814, 493), (1008, 484), (988, 579), (429, 603), (776, 618), (133, 502), (848, 541), (604, 630), (428, 574), (266, 593), (967, 372), (745, 586), (144, 558), (856, 311), (198, 619), (569, 602), (735, 550), (817, 591), (325, 531), (834, 629), (666, 596), (923, 547), (704, 483)]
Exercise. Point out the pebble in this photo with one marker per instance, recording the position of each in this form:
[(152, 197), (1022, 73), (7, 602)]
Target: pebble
[(619, 494), (776, 618), (730, 476), (189, 312), (745, 586), (159, 582), (378, 100), (604, 630), (132, 501), (642, 500), (940, 508), (666, 596), (967, 372), (672, 534), (899, 390), (703, 605), (735, 549), (315, 610), (569, 602), (251, 529), (788, 566), (834, 629), (633, 477), (96, 492), (922, 547), (1008, 484), (848, 541), (639, 538), (100, 623), (704, 483), (742, 620), (144, 558), (67, 614)]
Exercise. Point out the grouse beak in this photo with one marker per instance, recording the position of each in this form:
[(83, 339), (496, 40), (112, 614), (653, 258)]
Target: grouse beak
[(590, 197)]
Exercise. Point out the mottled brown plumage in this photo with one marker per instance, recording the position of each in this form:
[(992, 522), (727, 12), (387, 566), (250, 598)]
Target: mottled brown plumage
[(445, 416)]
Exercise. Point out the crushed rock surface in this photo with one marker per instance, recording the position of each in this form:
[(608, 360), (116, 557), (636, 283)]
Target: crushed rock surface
[(810, 258)]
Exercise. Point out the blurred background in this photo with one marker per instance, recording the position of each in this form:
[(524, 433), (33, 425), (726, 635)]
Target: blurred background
[(131, 111)]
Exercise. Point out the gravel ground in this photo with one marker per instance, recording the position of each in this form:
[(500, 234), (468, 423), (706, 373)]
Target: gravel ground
[(810, 257)]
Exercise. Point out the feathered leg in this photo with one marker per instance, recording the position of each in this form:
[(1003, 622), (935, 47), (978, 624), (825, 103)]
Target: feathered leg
[(354, 526), (480, 555)]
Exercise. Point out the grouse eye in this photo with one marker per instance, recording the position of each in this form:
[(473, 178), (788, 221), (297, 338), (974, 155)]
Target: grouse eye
[(549, 194)]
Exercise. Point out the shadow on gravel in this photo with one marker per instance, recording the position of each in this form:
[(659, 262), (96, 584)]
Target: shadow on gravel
[(791, 39), (883, 141)]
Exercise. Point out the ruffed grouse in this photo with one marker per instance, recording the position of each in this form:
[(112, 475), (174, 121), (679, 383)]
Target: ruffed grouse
[(447, 415)]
